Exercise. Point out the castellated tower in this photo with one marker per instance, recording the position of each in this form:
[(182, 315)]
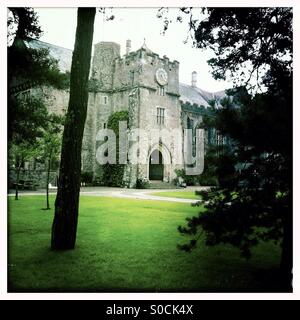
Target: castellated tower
[(148, 87), (103, 64), (100, 100)]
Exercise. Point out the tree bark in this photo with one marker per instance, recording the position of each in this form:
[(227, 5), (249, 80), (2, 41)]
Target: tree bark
[(64, 226)]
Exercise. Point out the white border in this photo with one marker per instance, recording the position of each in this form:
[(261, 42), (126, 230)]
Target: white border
[(3, 159)]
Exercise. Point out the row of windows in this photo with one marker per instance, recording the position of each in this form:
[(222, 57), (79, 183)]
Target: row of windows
[(160, 117)]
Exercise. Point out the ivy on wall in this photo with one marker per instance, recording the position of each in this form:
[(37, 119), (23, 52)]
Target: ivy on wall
[(113, 173)]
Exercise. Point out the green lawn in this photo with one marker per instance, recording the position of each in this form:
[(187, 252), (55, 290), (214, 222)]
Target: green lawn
[(177, 194), (126, 245)]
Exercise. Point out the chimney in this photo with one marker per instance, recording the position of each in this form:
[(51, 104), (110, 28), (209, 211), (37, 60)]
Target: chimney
[(128, 46), (194, 79)]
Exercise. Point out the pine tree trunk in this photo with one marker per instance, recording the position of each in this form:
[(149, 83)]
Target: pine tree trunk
[(64, 226)]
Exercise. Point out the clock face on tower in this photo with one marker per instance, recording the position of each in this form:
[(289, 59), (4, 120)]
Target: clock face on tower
[(161, 76)]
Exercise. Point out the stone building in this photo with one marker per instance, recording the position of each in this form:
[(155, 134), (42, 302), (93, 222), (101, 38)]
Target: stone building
[(147, 86)]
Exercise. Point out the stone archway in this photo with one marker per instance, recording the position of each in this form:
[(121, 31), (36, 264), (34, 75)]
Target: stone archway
[(156, 166), (163, 158)]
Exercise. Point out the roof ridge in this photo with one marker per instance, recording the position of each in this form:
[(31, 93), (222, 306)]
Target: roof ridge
[(50, 44), (199, 89)]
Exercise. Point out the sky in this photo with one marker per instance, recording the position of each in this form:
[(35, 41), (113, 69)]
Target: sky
[(136, 24)]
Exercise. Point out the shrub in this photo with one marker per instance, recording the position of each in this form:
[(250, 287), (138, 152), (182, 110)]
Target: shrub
[(142, 184), (87, 177), (204, 179)]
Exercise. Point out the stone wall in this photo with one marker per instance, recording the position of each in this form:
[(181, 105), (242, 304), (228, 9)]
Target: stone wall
[(37, 176)]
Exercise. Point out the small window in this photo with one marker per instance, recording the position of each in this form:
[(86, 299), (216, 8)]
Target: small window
[(104, 99), (160, 116), (104, 125)]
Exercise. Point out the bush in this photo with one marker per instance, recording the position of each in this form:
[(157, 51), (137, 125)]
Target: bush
[(189, 180), (204, 179), (113, 175), (87, 177), (142, 184)]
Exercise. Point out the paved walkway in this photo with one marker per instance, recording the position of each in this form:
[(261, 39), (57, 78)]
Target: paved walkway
[(142, 194)]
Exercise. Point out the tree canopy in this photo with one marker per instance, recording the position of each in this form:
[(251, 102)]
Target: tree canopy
[(23, 23), (253, 202)]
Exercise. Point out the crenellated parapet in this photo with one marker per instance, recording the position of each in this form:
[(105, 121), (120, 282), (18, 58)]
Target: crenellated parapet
[(112, 73)]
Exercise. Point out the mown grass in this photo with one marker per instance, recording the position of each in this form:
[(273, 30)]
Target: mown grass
[(126, 245)]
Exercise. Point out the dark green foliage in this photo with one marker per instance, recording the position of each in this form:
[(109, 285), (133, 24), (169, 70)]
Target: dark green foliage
[(93, 85), (188, 179), (142, 184), (207, 178), (27, 23), (26, 66), (253, 201), (261, 37), (32, 132), (87, 177), (113, 173), (115, 118), (29, 68), (27, 117)]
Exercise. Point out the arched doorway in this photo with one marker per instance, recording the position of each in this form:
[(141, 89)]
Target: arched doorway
[(156, 166)]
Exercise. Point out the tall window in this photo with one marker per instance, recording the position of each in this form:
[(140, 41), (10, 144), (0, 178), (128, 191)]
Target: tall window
[(190, 125), (160, 116)]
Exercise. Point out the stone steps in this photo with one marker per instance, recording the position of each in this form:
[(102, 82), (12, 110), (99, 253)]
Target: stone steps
[(161, 185)]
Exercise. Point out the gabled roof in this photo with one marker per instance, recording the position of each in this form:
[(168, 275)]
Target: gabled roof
[(194, 95), (63, 55)]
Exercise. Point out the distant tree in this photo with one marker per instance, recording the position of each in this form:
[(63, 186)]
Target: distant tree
[(20, 153), (28, 117), (50, 145), (23, 24), (64, 226), (28, 68), (253, 46)]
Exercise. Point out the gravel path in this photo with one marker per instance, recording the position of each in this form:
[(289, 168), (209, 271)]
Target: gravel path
[(142, 194)]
